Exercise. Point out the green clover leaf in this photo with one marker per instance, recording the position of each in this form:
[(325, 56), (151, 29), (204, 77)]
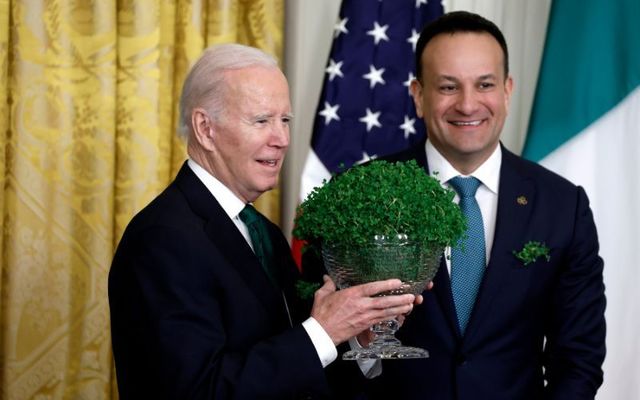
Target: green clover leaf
[(531, 251)]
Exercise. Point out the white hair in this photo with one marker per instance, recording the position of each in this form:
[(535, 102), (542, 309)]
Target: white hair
[(204, 84)]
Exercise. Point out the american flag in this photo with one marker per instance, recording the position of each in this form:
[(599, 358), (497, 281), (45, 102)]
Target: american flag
[(365, 110)]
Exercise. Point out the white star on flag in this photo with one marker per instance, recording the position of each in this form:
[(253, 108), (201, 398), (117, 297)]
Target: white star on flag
[(334, 69), (419, 2), (413, 39), (365, 158), (340, 27), (407, 126), (378, 32), (371, 119), (330, 113), (374, 76)]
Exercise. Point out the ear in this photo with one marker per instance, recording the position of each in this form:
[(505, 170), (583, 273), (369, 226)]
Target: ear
[(416, 93), (508, 89), (203, 128)]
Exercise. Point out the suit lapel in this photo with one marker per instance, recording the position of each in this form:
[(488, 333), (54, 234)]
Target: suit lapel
[(230, 242), (515, 199), (442, 289), (512, 220), (442, 280)]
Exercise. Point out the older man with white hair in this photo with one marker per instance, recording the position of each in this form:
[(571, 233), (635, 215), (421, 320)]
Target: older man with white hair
[(202, 286)]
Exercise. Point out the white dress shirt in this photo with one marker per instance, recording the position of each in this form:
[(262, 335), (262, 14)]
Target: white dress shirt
[(487, 195), (232, 206)]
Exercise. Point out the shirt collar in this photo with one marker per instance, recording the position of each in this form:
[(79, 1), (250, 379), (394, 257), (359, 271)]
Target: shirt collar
[(229, 202), (488, 173)]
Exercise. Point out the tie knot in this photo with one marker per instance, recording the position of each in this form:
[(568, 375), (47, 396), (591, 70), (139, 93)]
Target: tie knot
[(466, 187), (249, 215)]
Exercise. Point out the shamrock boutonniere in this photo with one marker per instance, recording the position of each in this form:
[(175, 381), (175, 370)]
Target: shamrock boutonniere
[(531, 251), (305, 289)]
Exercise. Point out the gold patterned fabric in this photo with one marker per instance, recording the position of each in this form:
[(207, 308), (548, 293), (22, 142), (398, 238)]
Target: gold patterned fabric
[(88, 108)]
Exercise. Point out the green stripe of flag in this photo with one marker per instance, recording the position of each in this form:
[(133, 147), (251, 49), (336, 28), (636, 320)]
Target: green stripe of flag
[(591, 62)]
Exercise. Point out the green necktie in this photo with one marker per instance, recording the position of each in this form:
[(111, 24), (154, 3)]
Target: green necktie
[(262, 246)]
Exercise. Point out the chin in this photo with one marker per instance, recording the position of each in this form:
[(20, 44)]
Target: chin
[(472, 144), (267, 186)]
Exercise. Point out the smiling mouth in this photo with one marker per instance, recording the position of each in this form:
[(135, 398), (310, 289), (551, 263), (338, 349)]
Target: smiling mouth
[(466, 123), (269, 163)]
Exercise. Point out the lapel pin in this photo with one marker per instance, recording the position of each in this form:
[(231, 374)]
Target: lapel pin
[(522, 200)]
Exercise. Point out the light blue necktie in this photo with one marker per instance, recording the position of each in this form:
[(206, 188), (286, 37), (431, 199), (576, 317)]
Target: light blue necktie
[(468, 257)]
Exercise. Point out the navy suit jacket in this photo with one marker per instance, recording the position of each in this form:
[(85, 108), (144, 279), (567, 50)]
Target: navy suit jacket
[(536, 323), (193, 314)]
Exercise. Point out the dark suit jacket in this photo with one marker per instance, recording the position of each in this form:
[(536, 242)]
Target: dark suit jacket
[(504, 354), (193, 314)]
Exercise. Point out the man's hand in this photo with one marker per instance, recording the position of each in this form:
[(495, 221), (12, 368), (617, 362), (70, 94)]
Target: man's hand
[(365, 337), (419, 299), (348, 312)]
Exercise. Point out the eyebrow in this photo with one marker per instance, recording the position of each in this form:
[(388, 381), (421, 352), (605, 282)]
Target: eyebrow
[(487, 76), (270, 115), (454, 79), (446, 78)]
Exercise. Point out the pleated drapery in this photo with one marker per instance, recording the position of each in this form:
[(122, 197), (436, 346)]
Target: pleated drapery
[(88, 109)]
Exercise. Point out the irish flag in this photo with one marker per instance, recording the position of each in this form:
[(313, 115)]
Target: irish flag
[(585, 125)]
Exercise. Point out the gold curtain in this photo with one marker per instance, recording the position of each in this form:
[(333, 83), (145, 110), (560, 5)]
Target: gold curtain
[(88, 108)]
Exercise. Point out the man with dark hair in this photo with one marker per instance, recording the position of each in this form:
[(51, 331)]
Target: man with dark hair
[(517, 309), (460, 21)]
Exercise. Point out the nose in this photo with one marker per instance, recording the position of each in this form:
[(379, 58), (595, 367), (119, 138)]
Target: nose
[(467, 102), (280, 135)]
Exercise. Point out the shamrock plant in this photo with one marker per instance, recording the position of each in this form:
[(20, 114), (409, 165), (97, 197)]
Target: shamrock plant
[(384, 199)]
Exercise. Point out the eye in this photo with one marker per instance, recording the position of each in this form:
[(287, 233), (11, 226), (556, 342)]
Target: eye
[(286, 120), (487, 85), (447, 88)]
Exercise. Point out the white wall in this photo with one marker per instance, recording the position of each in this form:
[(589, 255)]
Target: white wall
[(309, 31)]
